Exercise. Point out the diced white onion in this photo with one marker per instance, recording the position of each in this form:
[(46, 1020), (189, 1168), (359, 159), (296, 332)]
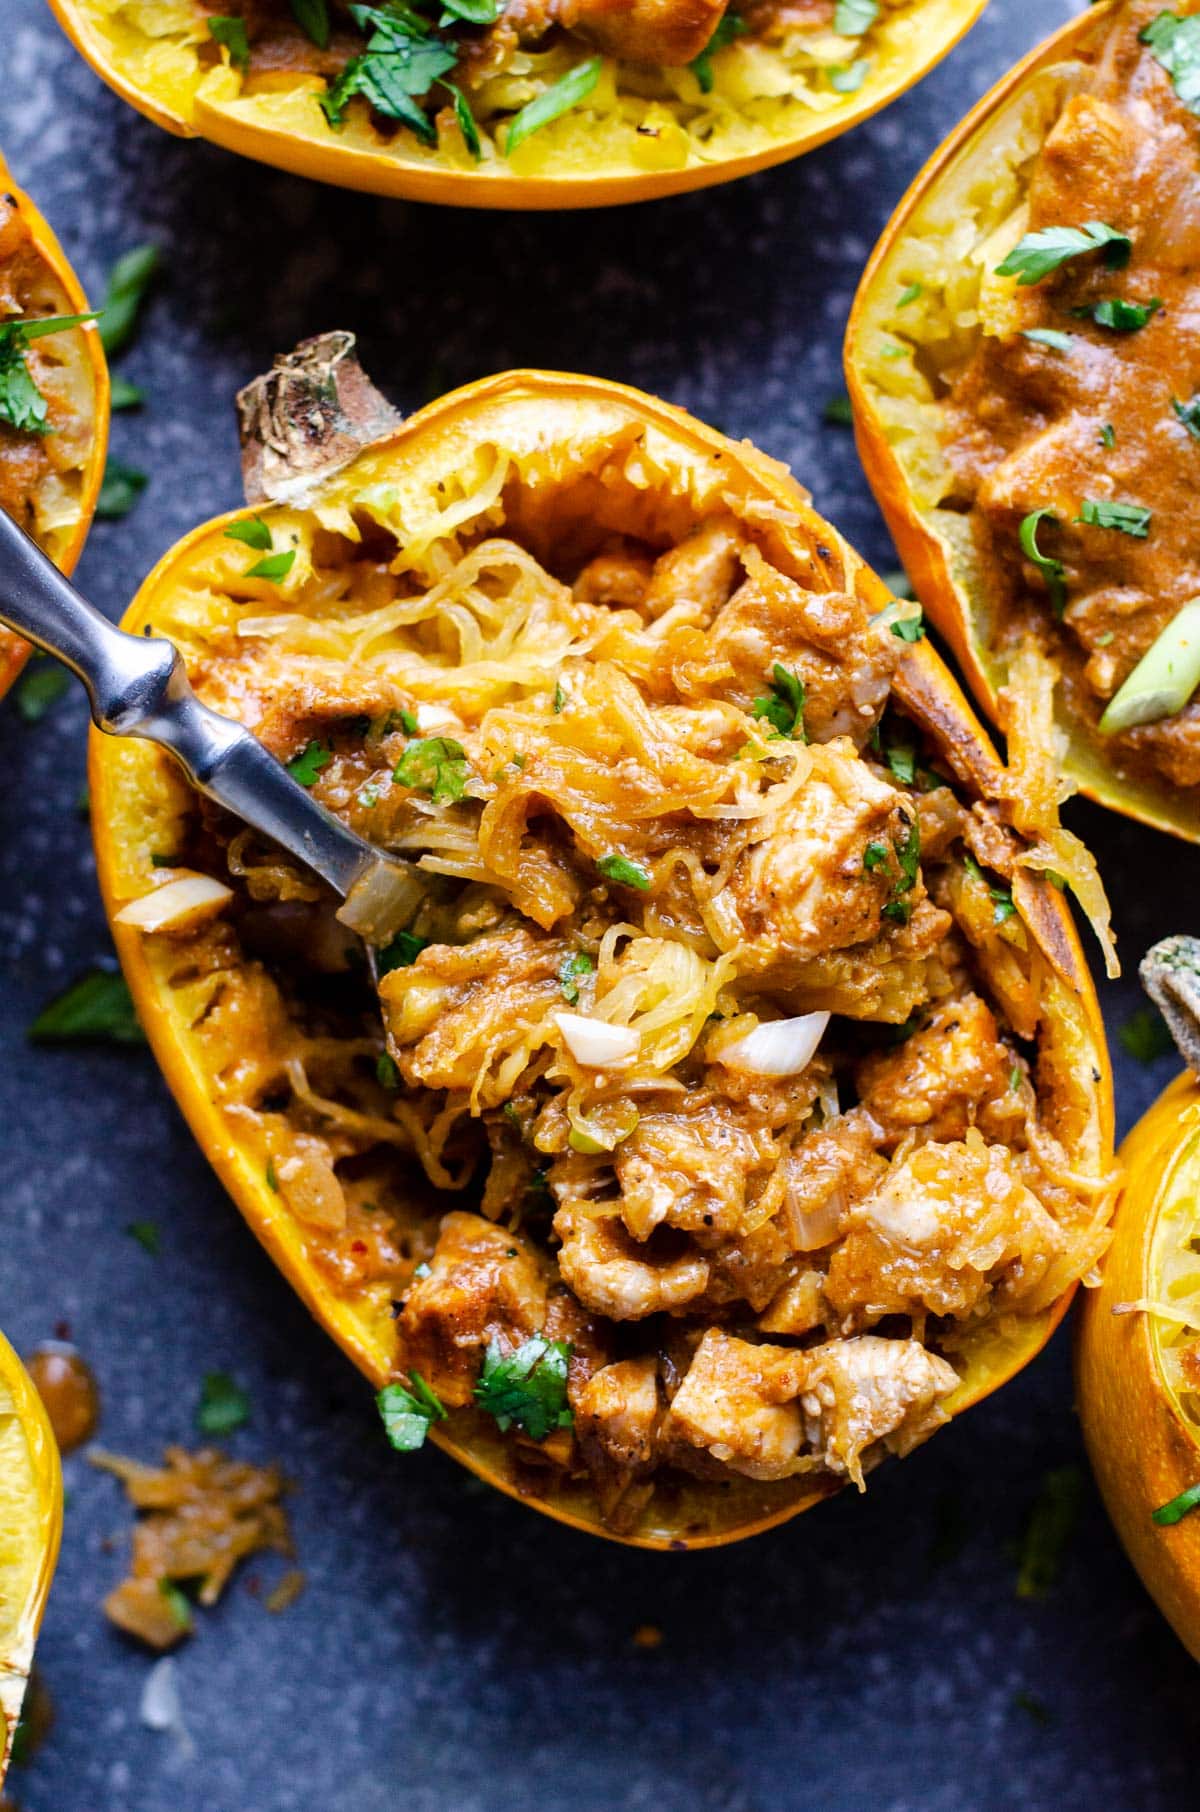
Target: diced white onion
[(161, 1708), (811, 1228), (437, 720), (594, 1042), (178, 906), (778, 1047)]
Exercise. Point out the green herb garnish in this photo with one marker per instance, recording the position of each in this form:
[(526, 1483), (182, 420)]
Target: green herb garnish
[(784, 708), (436, 765), (129, 279), (1145, 1035), (1108, 435), (252, 532), (231, 32), (407, 1412), (224, 1405), (403, 59), (403, 950), (1001, 897), (1189, 414), (312, 16), (569, 970), (876, 855), (41, 686), (910, 628), (528, 1387), (629, 874), (1175, 43), (147, 1236), (729, 26), (561, 96), (839, 412), (386, 1073), (1038, 254), (1049, 1530), (124, 395), (305, 766), (1119, 316), (908, 854), (120, 490), (1128, 518), (1168, 1514), (848, 78), (851, 18), (1049, 336), (910, 294), (272, 566), (97, 1007), (22, 405), (1052, 571), (178, 1603)]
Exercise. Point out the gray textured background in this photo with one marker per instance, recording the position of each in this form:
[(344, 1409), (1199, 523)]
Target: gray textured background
[(453, 1652)]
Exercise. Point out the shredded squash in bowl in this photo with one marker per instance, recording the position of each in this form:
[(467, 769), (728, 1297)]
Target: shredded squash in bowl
[(533, 103), (733, 1110)]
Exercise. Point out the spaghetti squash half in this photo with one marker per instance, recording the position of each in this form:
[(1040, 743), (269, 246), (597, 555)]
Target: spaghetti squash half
[(30, 1530), (1021, 361), (53, 396), (530, 104), (735, 1109)]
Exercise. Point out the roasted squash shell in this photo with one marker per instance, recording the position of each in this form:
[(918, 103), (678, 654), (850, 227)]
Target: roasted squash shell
[(549, 429), (938, 242), (31, 1506), (59, 505), (643, 132)]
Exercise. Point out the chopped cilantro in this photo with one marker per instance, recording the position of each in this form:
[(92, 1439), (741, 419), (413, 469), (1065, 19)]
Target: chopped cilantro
[(41, 686), (901, 757), (839, 412), (848, 78), (1001, 897), (1107, 435), (305, 766), (1189, 414), (908, 854), (403, 950), (1049, 336), (1038, 254), (784, 708), (1048, 1531), (1145, 1035), (22, 405), (528, 1387), (629, 874), (1119, 316), (122, 487), (729, 26), (468, 125), (386, 1073), (851, 18), (1175, 43), (560, 698), (272, 566), (561, 96), (1168, 1514), (96, 1007), (252, 531), (124, 395), (408, 1410), (899, 584), (224, 1405), (569, 970), (1130, 518), (436, 765), (876, 855), (910, 294), (1032, 1707), (1052, 571), (177, 1602), (128, 282), (910, 628), (403, 59), (147, 1236), (312, 16), (471, 12), (231, 32), (272, 1180)]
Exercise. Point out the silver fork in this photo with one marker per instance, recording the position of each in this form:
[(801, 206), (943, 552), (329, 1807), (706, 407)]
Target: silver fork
[(138, 686)]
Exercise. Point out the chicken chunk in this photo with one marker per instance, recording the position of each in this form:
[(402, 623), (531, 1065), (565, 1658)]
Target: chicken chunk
[(616, 580), (699, 571), (614, 1275), (954, 1072), (821, 879), (827, 1173), (738, 1403), (950, 1225), (860, 1392), (643, 31), (484, 1284), (617, 1417), (689, 1170)]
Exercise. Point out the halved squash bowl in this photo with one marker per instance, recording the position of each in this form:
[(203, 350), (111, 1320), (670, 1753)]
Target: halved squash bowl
[(341, 1161), (1014, 421), (651, 123), (31, 1508), (49, 479)]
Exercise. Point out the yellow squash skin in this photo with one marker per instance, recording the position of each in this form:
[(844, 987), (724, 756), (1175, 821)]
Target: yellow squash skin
[(276, 121), (64, 296), (1144, 1448), (31, 1483), (136, 801), (977, 158)]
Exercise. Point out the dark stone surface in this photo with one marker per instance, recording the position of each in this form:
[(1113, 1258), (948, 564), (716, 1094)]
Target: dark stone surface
[(453, 1652)]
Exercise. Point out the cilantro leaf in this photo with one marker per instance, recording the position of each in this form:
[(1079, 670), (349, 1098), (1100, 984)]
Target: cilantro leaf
[(128, 282), (908, 854), (848, 78), (1001, 897), (577, 963), (312, 16), (96, 1007), (1048, 1532), (124, 395), (386, 1073), (472, 12), (909, 628), (120, 490), (1108, 435), (407, 1412), (1052, 571), (1049, 336), (231, 32), (1189, 414), (1175, 43), (147, 1236), (1120, 316), (404, 949), (253, 531), (569, 91), (876, 855), (851, 18), (784, 709), (178, 1603), (272, 566), (1037, 254), (22, 405), (1179, 1507), (403, 59), (627, 873), (729, 26), (305, 766), (41, 686), (436, 765), (910, 294), (1129, 518), (528, 1387), (838, 412), (467, 123), (1145, 1035), (224, 1405)]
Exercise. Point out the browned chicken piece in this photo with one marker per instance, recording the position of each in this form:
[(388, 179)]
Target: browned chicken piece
[(827, 1173), (643, 31), (826, 638), (798, 1308), (617, 1417), (690, 1170), (618, 581), (699, 571), (484, 1284), (286, 718), (886, 979), (810, 886), (454, 1013), (858, 1393), (614, 1275), (949, 1226), (739, 1404), (952, 1073), (1087, 152)]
